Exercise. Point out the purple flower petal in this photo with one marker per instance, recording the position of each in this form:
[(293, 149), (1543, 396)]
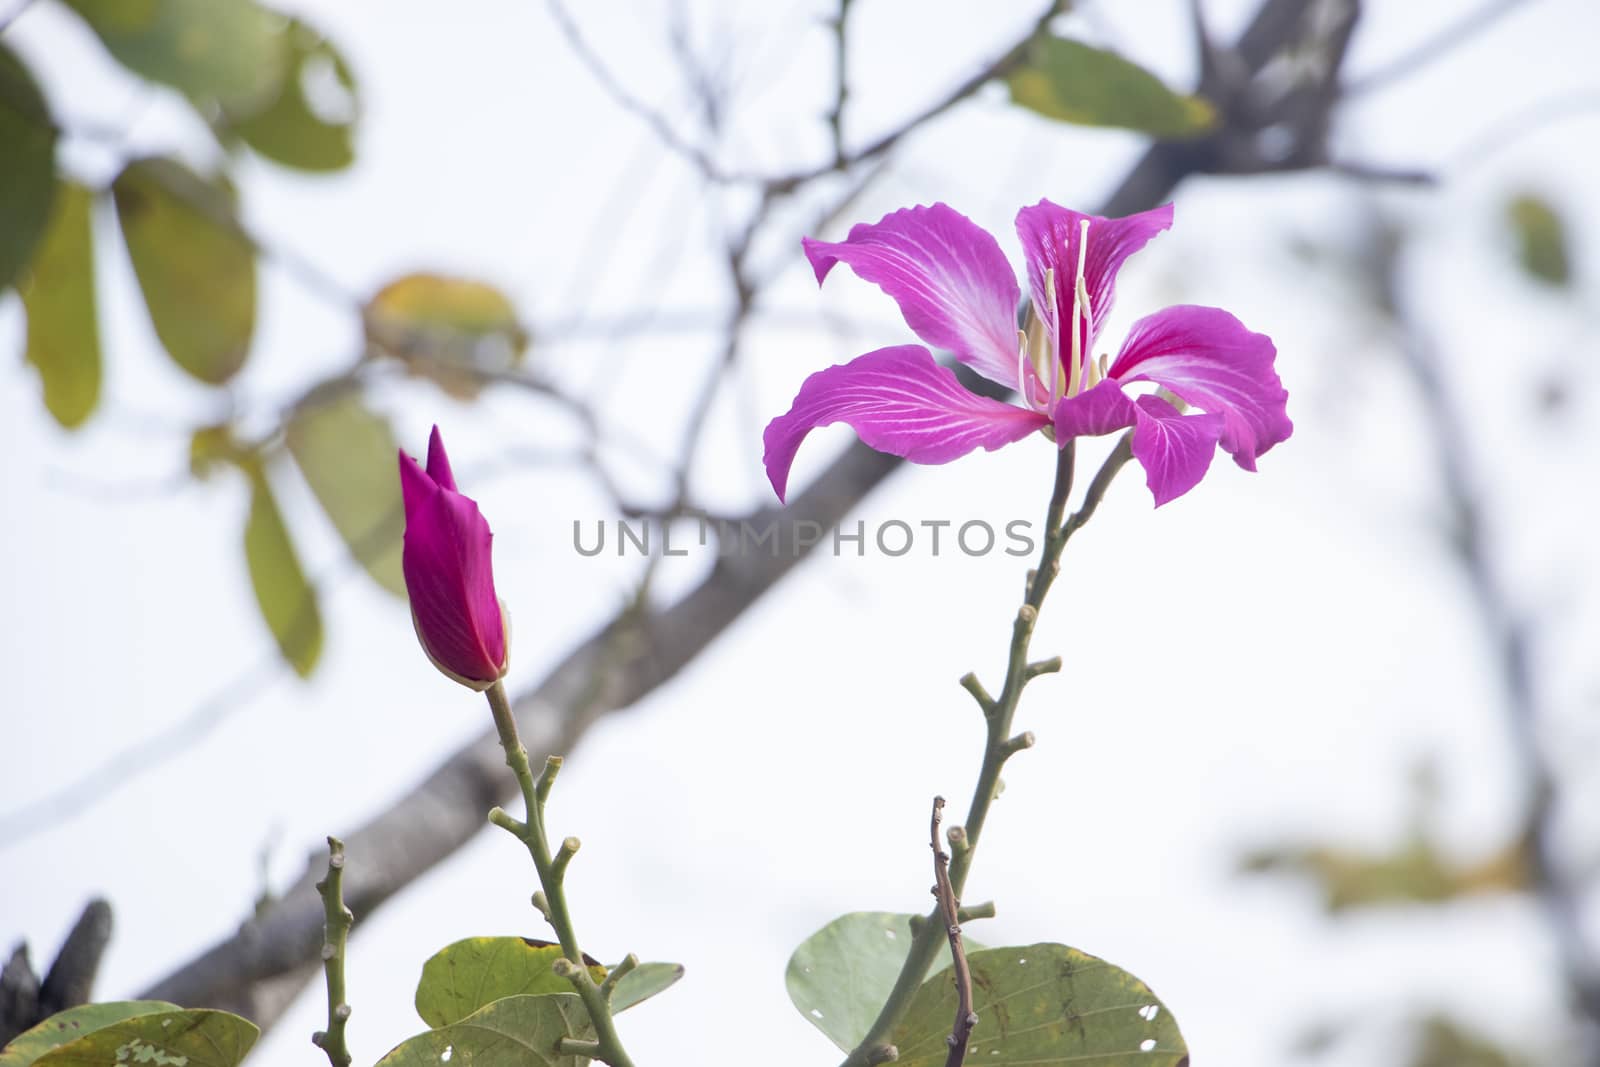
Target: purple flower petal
[(901, 402), (949, 277), (439, 463), (1175, 450), (446, 560), (1050, 235), (1103, 409), (1209, 359)]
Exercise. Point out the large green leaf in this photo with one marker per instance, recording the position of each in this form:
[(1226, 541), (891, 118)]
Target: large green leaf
[(348, 454), (472, 973), (228, 52), (519, 1031), (642, 983), (307, 130), (196, 270), (1044, 1005), (288, 602), (1073, 82), (63, 329), (202, 1038), (72, 1024), (27, 177), (1541, 239), (841, 975)]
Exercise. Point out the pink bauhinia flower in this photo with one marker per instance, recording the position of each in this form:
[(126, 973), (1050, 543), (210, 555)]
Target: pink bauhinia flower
[(1211, 381), (448, 572)]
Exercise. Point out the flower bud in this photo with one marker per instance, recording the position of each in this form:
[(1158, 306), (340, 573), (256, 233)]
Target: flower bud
[(448, 572)]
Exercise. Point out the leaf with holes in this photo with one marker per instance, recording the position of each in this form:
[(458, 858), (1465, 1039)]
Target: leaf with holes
[(1044, 1005), (27, 180), (58, 293), (310, 123), (227, 52), (346, 453), (69, 1025), (840, 976), (287, 600), (446, 329), (1073, 82), (201, 1038), (519, 1031), (465, 977), (196, 270)]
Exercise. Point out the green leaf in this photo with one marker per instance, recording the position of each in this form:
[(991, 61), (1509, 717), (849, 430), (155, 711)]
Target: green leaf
[(63, 329), (1541, 239), (1072, 82), (196, 270), (348, 454), (642, 983), (227, 52), (464, 977), (519, 1031), (69, 1025), (841, 975), (27, 178), (202, 1038), (288, 602), (1417, 870), (308, 130), (1044, 1005)]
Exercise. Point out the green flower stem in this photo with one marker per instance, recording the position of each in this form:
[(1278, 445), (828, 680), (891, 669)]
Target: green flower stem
[(336, 923), (607, 1046), (1000, 745)]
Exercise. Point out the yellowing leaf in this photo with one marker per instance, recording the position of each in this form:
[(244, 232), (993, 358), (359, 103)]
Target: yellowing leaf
[(446, 328), (348, 455), (69, 1025), (288, 602), (1073, 82), (63, 331), (223, 51), (310, 130), (27, 177), (1541, 239), (197, 272)]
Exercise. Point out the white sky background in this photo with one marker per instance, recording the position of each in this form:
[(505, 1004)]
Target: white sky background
[(1265, 658)]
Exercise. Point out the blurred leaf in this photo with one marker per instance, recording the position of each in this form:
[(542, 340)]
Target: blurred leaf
[(288, 602), (197, 272), (472, 973), (63, 329), (72, 1024), (519, 1031), (1072, 82), (644, 982), (310, 122), (1415, 872), (1044, 1004), (27, 178), (348, 456), (1541, 239), (202, 1038), (228, 52), (444, 328), (840, 976), (1443, 1043)]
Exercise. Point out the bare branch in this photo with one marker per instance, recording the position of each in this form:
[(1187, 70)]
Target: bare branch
[(950, 908), (1436, 47)]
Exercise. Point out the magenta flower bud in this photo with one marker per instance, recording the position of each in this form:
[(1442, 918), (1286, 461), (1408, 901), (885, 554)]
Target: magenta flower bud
[(446, 561)]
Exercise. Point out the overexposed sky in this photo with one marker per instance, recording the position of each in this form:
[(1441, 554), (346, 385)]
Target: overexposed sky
[(1264, 659)]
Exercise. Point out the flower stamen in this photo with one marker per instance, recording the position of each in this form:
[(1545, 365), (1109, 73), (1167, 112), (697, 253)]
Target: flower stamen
[(1080, 308)]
